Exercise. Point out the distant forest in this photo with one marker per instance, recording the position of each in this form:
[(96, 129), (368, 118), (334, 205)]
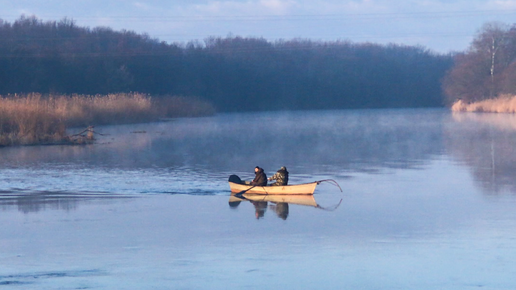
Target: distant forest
[(234, 73)]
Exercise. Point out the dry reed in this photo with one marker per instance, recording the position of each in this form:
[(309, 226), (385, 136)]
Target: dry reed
[(36, 119), (502, 104)]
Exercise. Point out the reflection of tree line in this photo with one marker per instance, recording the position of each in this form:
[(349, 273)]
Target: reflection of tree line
[(37, 202), (486, 143), (340, 140), (28, 204), (363, 140)]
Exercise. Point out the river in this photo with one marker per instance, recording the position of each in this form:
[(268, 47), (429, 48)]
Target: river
[(428, 203)]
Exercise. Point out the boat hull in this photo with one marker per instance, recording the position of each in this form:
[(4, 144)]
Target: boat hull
[(297, 189)]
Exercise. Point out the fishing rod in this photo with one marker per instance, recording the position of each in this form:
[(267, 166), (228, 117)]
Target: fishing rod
[(330, 181)]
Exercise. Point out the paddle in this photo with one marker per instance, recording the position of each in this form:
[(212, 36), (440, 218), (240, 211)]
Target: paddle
[(244, 191), (236, 179)]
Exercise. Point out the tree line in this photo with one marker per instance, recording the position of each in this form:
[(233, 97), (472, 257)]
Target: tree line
[(487, 69), (233, 73)]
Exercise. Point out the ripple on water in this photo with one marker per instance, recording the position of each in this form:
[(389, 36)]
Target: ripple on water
[(34, 277)]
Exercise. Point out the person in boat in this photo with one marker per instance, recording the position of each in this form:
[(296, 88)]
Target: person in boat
[(260, 178), (281, 177)]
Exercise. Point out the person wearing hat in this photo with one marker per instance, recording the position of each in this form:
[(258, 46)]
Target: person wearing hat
[(260, 178), (281, 177)]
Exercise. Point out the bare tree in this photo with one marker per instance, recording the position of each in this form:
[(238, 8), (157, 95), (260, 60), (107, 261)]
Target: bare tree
[(492, 41), (480, 73)]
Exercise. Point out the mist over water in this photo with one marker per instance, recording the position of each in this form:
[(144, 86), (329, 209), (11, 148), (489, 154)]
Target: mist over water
[(428, 203), (196, 155)]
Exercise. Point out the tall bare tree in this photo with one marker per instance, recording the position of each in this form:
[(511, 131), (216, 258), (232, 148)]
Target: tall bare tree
[(481, 72), (492, 43)]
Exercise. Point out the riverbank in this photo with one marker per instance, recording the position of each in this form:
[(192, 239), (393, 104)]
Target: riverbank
[(33, 119), (502, 104)]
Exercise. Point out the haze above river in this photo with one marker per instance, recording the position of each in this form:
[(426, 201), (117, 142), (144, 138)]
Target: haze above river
[(428, 203)]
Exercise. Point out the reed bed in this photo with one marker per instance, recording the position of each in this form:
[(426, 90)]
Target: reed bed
[(501, 104), (37, 119)]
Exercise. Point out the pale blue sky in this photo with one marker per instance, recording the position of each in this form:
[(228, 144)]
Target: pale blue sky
[(439, 25)]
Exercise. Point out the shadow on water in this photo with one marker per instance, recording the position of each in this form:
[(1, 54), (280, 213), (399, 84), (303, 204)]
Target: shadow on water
[(485, 143)]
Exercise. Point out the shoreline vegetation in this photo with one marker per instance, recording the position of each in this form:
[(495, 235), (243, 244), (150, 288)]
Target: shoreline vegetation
[(502, 104), (36, 119)]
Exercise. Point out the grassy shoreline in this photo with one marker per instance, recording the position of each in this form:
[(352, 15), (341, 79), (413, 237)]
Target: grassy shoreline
[(501, 104), (33, 119)]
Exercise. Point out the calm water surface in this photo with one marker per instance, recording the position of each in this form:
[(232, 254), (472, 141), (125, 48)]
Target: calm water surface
[(428, 203)]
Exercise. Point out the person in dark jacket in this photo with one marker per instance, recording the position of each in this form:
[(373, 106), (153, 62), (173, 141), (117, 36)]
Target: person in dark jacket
[(281, 177), (260, 179)]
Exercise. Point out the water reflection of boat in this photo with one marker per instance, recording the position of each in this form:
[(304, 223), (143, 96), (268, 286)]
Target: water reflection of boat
[(307, 200), (237, 186), (279, 203)]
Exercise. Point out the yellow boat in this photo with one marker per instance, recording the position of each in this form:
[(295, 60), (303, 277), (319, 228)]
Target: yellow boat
[(306, 188), (237, 186)]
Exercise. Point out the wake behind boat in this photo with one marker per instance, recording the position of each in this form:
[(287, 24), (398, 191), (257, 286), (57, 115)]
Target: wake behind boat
[(237, 186)]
